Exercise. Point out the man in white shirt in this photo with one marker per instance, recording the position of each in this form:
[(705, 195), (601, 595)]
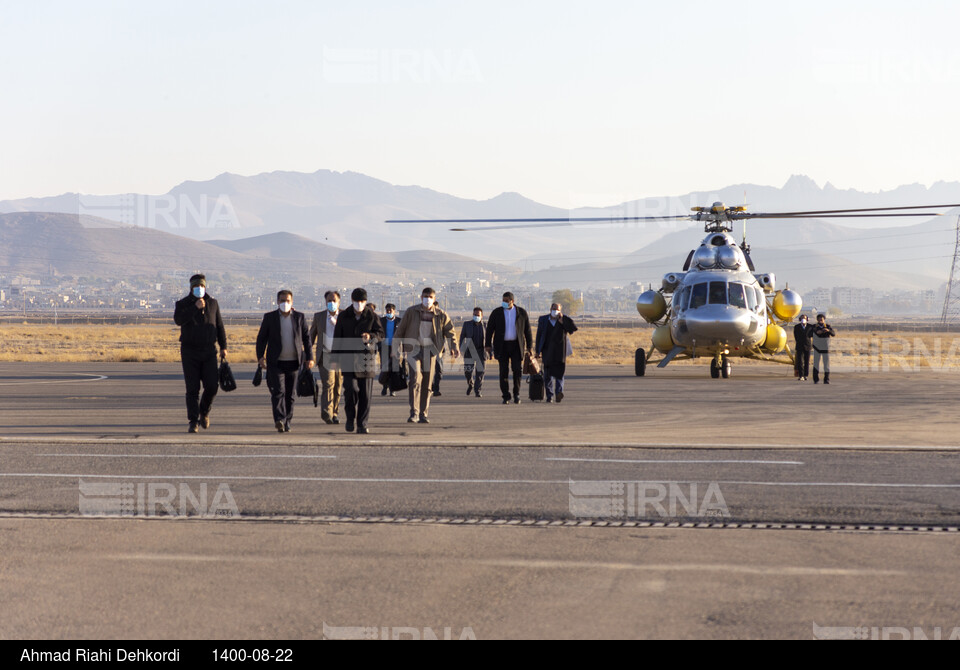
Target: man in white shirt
[(508, 337)]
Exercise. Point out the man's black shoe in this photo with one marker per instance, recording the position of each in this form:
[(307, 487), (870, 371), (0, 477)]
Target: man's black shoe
[(205, 421), (286, 428), (279, 426), (194, 428), (437, 394), (479, 395), (412, 419), (363, 430), (424, 419), (336, 420), (383, 391), (506, 401), (516, 400), (559, 396), (550, 401), (350, 426)]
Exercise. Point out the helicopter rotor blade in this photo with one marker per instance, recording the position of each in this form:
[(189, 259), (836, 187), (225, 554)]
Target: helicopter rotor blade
[(509, 224), (828, 212), (836, 216)]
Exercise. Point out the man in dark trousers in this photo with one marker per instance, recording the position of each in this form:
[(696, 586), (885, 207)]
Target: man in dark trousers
[(822, 332), (802, 332), (283, 345), (355, 341), (472, 335), (201, 330), (553, 333), (508, 337), (321, 333), (389, 362)]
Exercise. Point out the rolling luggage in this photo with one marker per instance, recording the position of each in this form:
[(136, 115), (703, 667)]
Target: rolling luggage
[(537, 390)]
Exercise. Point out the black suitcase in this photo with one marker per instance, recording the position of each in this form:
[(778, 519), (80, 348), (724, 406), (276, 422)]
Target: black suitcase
[(537, 390)]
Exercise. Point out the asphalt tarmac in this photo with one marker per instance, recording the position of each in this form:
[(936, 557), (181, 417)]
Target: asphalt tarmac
[(477, 519)]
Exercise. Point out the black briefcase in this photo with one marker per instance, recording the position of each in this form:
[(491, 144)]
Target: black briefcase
[(258, 376), (227, 381), (307, 386), (398, 379)]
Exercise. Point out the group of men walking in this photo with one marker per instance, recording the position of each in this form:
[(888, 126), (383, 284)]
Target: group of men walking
[(344, 344)]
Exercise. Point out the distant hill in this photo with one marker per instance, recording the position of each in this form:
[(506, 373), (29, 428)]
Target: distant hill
[(330, 213), (67, 244)]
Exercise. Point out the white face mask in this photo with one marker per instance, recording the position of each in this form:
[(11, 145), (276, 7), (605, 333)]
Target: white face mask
[(285, 307), (477, 318), (359, 306), (427, 302), (199, 291), (554, 313)]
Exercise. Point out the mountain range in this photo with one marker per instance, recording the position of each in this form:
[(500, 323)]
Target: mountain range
[(334, 222)]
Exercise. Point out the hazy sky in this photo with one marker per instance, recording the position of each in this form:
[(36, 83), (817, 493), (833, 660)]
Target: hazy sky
[(566, 102)]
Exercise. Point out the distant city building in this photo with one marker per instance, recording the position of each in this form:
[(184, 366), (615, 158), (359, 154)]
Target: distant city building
[(819, 298), (855, 300)]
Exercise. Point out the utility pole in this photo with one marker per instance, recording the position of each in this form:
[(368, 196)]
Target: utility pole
[(951, 304)]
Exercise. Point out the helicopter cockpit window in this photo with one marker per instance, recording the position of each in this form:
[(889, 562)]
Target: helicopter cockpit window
[(718, 293), (737, 298), (680, 299), (761, 302), (751, 299), (698, 298)]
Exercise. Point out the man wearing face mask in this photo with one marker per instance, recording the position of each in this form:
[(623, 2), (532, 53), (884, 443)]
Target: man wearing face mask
[(283, 345), (553, 333), (471, 345), (355, 340), (331, 377), (508, 337), (802, 332), (201, 330), (388, 361), (423, 331)]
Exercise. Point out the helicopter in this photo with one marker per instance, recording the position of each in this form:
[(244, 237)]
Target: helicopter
[(718, 306)]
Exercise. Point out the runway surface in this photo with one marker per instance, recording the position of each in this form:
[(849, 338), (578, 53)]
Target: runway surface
[(676, 448)]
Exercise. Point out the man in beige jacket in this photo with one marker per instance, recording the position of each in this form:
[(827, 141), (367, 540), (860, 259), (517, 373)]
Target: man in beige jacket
[(420, 335), (331, 377)]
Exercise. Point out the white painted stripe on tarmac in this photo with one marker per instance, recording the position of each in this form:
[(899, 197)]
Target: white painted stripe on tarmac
[(32, 382), (403, 480), (786, 570), (213, 456), (683, 462)]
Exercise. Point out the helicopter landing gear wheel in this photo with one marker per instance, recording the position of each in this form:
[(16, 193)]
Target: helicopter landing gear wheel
[(640, 363), (714, 369), (726, 368)]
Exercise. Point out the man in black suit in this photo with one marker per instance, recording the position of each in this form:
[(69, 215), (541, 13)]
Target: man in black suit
[(201, 329), (508, 337), (355, 340), (472, 336), (283, 345), (553, 332), (802, 333)]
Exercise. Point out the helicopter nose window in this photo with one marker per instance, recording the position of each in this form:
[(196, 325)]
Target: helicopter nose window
[(737, 298), (751, 299), (718, 293), (698, 298), (680, 301), (761, 302)]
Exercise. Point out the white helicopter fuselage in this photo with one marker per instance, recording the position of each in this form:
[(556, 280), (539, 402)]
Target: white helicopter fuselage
[(719, 309)]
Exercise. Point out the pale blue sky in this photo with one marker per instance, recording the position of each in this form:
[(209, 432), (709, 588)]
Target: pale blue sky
[(569, 103)]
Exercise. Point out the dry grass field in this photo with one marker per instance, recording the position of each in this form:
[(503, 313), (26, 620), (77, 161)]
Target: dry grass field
[(592, 346)]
